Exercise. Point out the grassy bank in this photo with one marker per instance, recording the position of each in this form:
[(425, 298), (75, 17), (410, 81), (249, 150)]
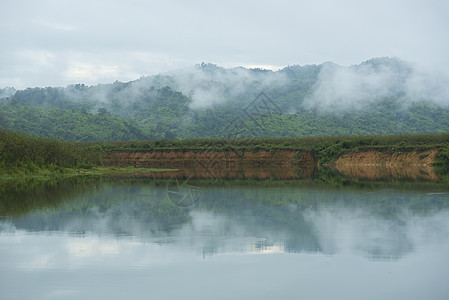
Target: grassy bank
[(323, 149), (21, 155)]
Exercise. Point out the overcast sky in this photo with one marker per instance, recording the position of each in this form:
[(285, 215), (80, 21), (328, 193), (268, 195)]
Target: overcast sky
[(55, 43)]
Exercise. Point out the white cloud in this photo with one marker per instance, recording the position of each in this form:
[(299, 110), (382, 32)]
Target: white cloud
[(263, 67), (39, 58), (53, 26), (91, 72), (148, 37), (343, 88)]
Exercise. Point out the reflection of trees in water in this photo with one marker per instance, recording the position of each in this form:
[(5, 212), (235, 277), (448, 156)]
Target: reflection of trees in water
[(310, 220), (258, 213), (116, 210), (22, 196), (300, 219)]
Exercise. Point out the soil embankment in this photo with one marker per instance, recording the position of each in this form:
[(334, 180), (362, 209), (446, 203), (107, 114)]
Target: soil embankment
[(207, 158), (281, 164)]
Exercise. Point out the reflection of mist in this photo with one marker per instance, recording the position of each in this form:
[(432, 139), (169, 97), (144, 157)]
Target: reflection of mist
[(341, 230), (381, 225)]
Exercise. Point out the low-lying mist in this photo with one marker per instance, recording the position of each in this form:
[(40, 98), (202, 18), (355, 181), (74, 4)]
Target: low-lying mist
[(378, 96), (347, 88), (327, 87)]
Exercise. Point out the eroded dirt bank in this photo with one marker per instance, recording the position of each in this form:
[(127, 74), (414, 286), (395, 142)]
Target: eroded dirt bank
[(209, 159), (282, 164)]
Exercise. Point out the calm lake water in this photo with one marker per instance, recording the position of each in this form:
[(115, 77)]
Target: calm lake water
[(137, 239)]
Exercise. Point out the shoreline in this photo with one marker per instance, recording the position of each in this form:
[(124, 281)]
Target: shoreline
[(44, 174)]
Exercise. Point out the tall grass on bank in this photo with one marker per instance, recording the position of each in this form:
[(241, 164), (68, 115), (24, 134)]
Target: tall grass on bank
[(24, 154), (305, 143), (21, 153)]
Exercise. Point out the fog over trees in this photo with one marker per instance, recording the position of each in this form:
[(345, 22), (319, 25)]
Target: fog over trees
[(379, 96)]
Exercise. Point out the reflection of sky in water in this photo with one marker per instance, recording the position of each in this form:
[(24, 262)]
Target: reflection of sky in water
[(381, 225), (329, 230), (226, 248)]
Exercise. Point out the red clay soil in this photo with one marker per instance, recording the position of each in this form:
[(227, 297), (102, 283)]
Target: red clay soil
[(180, 158), (282, 164)]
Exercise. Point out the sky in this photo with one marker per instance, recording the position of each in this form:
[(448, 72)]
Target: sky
[(56, 43)]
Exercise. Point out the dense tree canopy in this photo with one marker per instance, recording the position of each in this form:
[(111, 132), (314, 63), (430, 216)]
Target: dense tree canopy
[(210, 102)]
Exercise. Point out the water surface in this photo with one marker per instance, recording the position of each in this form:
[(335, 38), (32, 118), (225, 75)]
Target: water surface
[(129, 239)]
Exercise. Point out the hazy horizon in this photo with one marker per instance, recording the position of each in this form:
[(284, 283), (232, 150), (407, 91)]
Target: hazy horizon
[(57, 43)]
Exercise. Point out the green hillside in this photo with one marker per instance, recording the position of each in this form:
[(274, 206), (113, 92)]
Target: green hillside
[(377, 97)]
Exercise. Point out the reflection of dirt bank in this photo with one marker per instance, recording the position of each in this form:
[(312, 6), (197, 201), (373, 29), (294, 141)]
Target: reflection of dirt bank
[(261, 164), (382, 172), (285, 173), (377, 165)]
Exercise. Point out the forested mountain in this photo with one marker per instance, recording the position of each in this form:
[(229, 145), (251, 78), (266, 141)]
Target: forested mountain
[(379, 96)]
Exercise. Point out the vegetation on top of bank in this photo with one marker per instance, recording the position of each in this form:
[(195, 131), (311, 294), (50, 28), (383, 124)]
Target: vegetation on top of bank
[(24, 154), (323, 148), (305, 143)]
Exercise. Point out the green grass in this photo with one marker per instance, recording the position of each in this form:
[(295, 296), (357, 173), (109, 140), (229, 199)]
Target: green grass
[(22, 155), (322, 148)]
